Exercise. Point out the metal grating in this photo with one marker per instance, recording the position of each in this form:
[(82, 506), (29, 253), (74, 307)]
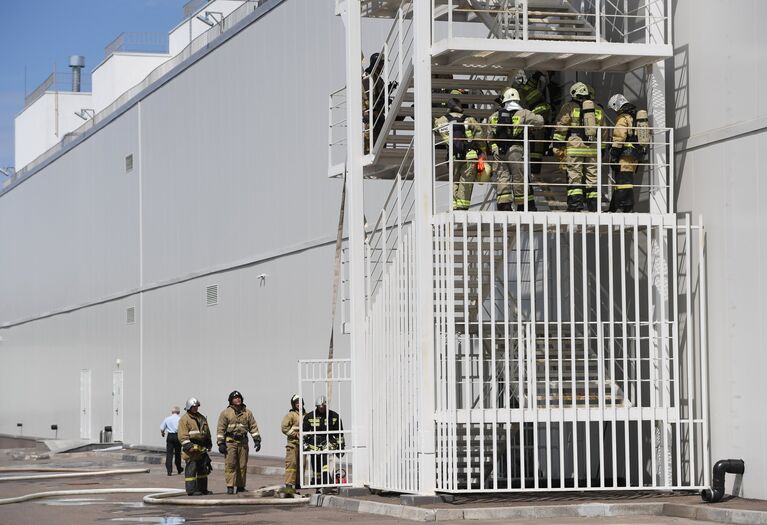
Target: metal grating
[(211, 295), (130, 315), (129, 163)]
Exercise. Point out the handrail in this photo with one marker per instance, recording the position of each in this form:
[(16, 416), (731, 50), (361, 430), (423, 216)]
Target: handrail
[(657, 164)]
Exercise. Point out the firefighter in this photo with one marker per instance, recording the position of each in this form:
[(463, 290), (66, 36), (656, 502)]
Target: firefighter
[(194, 435), (323, 432), (534, 100), (575, 139), (291, 426), (234, 424), (507, 148), (625, 152), (466, 135)]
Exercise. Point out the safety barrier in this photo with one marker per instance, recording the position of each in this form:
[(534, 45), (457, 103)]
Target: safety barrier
[(653, 180), (616, 21), (571, 352), (337, 133)]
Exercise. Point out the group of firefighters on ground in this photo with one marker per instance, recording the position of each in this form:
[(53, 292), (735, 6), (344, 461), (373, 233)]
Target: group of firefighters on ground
[(501, 141), (323, 438)]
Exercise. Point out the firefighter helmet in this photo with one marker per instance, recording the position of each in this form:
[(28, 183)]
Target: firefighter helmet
[(617, 101), (235, 393), (579, 91), (321, 400), (511, 95), (191, 402)]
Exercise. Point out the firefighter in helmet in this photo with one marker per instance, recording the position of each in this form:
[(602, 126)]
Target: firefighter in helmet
[(235, 422), (291, 427), (626, 150), (575, 139), (194, 435), (323, 436), (508, 151), (534, 100)]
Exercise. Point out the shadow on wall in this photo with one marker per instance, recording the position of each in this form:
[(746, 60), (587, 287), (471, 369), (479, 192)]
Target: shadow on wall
[(680, 64)]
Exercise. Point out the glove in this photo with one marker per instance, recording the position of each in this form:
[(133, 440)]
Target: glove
[(186, 447), (615, 155), (222, 448), (494, 148), (257, 443), (558, 152)]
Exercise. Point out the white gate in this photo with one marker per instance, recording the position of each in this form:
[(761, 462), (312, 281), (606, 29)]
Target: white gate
[(117, 405), (85, 404), (325, 459)]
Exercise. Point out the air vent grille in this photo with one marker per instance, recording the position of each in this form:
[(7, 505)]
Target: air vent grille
[(129, 163), (211, 295), (130, 315)]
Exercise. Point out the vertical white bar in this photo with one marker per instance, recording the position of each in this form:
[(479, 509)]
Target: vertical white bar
[(652, 347), (386, 80), (466, 368), (480, 356), (676, 368), (401, 51), (598, 21), (625, 21), (625, 344), (526, 166), (613, 381), (360, 372), (599, 180), (547, 344), (671, 177), (600, 340), (560, 358), (533, 346), (423, 162), (690, 351), (525, 21), (586, 352), (506, 344), (665, 370), (638, 353), (449, 19), (706, 451), (493, 369), (573, 359), (524, 397)]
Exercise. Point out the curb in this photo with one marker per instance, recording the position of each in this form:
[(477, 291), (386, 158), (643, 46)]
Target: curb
[(585, 510)]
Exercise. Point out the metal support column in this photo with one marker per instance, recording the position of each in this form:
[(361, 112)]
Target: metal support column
[(424, 241), (356, 225)]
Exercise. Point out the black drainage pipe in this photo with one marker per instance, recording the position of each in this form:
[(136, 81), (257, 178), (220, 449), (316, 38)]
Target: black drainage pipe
[(722, 467)]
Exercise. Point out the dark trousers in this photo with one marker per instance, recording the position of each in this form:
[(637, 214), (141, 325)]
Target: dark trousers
[(172, 452), (196, 475)]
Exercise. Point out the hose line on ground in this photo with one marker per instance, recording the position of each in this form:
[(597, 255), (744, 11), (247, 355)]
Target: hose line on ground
[(66, 473)]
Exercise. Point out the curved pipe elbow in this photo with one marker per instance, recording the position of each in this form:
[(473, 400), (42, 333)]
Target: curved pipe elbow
[(721, 468)]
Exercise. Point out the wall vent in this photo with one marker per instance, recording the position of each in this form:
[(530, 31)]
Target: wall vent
[(130, 315), (211, 295), (129, 163)]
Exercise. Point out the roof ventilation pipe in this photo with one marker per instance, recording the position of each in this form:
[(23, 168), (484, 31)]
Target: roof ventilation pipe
[(722, 467), (77, 63)]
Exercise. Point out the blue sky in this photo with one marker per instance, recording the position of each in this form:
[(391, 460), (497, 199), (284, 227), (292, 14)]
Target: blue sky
[(38, 34)]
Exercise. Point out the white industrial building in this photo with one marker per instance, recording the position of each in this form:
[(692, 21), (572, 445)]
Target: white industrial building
[(172, 233)]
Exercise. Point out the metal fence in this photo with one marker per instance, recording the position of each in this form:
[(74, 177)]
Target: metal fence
[(571, 353), (138, 43), (653, 178), (56, 81), (325, 437), (618, 21)]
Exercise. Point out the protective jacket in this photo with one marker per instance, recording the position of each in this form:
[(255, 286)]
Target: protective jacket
[(291, 425), (466, 134), (316, 424), (533, 99), (193, 430), (624, 133), (506, 127), (570, 130), (235, 423)]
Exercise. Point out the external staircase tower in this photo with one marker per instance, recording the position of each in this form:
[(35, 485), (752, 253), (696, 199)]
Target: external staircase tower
[(515, 351)]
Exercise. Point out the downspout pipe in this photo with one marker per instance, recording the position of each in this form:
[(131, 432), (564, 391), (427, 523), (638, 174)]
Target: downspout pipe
[(722, 467)]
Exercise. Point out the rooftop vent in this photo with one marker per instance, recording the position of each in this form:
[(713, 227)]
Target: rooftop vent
[(77, 63)]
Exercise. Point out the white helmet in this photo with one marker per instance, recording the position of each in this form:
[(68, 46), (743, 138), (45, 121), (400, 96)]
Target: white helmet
[(579, 90), (511, 99), (321, 400), (617, 101), (191, 402)]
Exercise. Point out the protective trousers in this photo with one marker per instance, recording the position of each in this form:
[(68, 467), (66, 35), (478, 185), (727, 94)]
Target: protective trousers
[(537, 138), (291, 465), (464, 177), (623, 190), (172, 452), (196, 474), (581, 183), (510, 179), (320, 470), (236, 462)]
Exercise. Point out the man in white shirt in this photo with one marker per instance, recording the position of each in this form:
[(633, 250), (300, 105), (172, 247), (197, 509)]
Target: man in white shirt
[(169, 430)]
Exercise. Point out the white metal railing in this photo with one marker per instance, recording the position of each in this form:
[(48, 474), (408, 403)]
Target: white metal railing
[(624, 21), (57, 81), (325, 435), (653, 179), (391, 341), (202, 41), (337, 131), (383, 239), (542, 383), (141, 42), (389, 73)]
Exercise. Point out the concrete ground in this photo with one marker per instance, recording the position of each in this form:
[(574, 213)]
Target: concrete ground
[(129, 508)]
